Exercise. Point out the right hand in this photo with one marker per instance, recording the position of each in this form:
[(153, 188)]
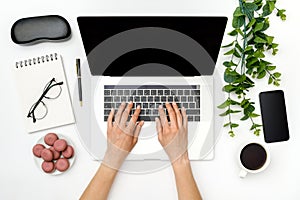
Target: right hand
[(173, 136)]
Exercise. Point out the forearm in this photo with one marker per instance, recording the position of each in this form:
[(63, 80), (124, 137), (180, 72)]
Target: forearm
[(99, 187), (185, 182)]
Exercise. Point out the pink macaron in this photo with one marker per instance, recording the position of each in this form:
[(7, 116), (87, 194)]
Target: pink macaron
[(56, 154), (47, 155), (68, 152), (50, 138), (60, 145), (62, 164), (37, 150), (48, 167)]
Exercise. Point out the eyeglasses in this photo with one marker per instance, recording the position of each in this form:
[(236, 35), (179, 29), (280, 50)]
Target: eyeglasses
[(39, 109)]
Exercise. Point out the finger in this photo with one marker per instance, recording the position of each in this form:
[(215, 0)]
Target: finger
[(184, 116), (134, 118), (137, 131), (125, 113), (109, 119), (162, 116), (119, 113), (178, 114), (159, 128), (172, 115)]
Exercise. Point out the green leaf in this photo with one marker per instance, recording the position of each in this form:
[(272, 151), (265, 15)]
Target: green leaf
[(229, 52), (236, 54), (271, 67), (230, 76), (253, 115), (281, 14), (229, 64), (229, 88), (276, 83), (244, 118), (270, 81), (237, 22), (227, 124), (256, 132), (233, 125), (269, 39), (233, 33), (238, 12), (235, 111), (228, 45), (232, 102), (251, 23), (231, 134), (250, 6), (249, 109), (224, 104), (258, 39), (261, 74), (258, 27), (277, 74)]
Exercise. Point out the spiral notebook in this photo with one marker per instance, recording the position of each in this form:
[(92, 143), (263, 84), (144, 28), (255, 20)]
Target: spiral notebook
[(43, 92)]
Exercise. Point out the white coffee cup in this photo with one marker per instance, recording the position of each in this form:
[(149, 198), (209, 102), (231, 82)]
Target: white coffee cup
[(244, 170)]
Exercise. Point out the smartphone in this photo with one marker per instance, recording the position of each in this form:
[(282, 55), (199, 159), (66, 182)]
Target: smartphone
[(273, 112)]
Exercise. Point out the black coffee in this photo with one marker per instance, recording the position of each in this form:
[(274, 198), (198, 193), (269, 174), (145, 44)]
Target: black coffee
[(253, 156)]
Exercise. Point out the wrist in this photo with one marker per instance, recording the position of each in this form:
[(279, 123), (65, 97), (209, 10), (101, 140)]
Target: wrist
[(182, 162)]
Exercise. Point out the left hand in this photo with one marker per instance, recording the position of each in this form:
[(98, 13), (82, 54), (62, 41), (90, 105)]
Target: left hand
[(121, 136)]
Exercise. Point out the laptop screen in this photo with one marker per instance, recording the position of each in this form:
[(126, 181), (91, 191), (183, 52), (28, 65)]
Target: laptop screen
[(152, 45)]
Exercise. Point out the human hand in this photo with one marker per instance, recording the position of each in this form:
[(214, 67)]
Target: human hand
[(121, 136), (173, 136)]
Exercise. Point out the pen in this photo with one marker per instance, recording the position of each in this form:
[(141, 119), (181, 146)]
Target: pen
[(79, 80)]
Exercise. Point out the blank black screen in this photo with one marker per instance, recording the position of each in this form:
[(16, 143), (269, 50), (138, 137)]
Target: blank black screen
[(274, 116)]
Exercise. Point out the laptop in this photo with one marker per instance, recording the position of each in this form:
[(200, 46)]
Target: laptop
[(150, 60)]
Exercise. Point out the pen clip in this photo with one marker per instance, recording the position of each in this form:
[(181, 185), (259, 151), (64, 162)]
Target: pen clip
[(78, 67)]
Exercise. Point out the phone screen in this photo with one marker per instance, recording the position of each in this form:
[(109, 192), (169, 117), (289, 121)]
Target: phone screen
[(274, 116)]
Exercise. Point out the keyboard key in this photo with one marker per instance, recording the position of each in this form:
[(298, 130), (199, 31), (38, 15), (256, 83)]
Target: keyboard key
[(108, 99), (120, 92), (173, 92), (142, 112), (163, 99), (126, 92), (190, 99), (146, 92), (143, 99), (170, 99), (148, 112), (157, 99), (105, 118), (180, 92), (186, 92), (183, 99), (151, 105), (192, 105), (118, 105), (155, 112), (177, 99), (109, 105), (185, 105), (160, 92), (153, 92), (123, 99), (130, 98), (106, 92), (145, 105), (167, 92), (190, 118), (140, 92), (197, 92), (137, 99), (106, 112), (157, 105), (193, 111), (146, 118), (117, 99), (113, 92), (197, 100), (197, 118), (133, 92)]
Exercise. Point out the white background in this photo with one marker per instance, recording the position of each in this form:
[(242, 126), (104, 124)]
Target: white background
[(217, 179)]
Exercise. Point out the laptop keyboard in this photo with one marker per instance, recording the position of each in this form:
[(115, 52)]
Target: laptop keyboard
[(149, 97)]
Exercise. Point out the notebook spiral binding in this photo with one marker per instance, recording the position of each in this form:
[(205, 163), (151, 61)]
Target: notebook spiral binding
[(37, 60)]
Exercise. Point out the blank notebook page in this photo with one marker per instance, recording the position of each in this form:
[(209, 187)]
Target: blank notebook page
[(31, 76)]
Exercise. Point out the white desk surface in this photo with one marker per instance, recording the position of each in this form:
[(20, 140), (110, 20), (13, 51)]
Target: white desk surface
[(217, 179)]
